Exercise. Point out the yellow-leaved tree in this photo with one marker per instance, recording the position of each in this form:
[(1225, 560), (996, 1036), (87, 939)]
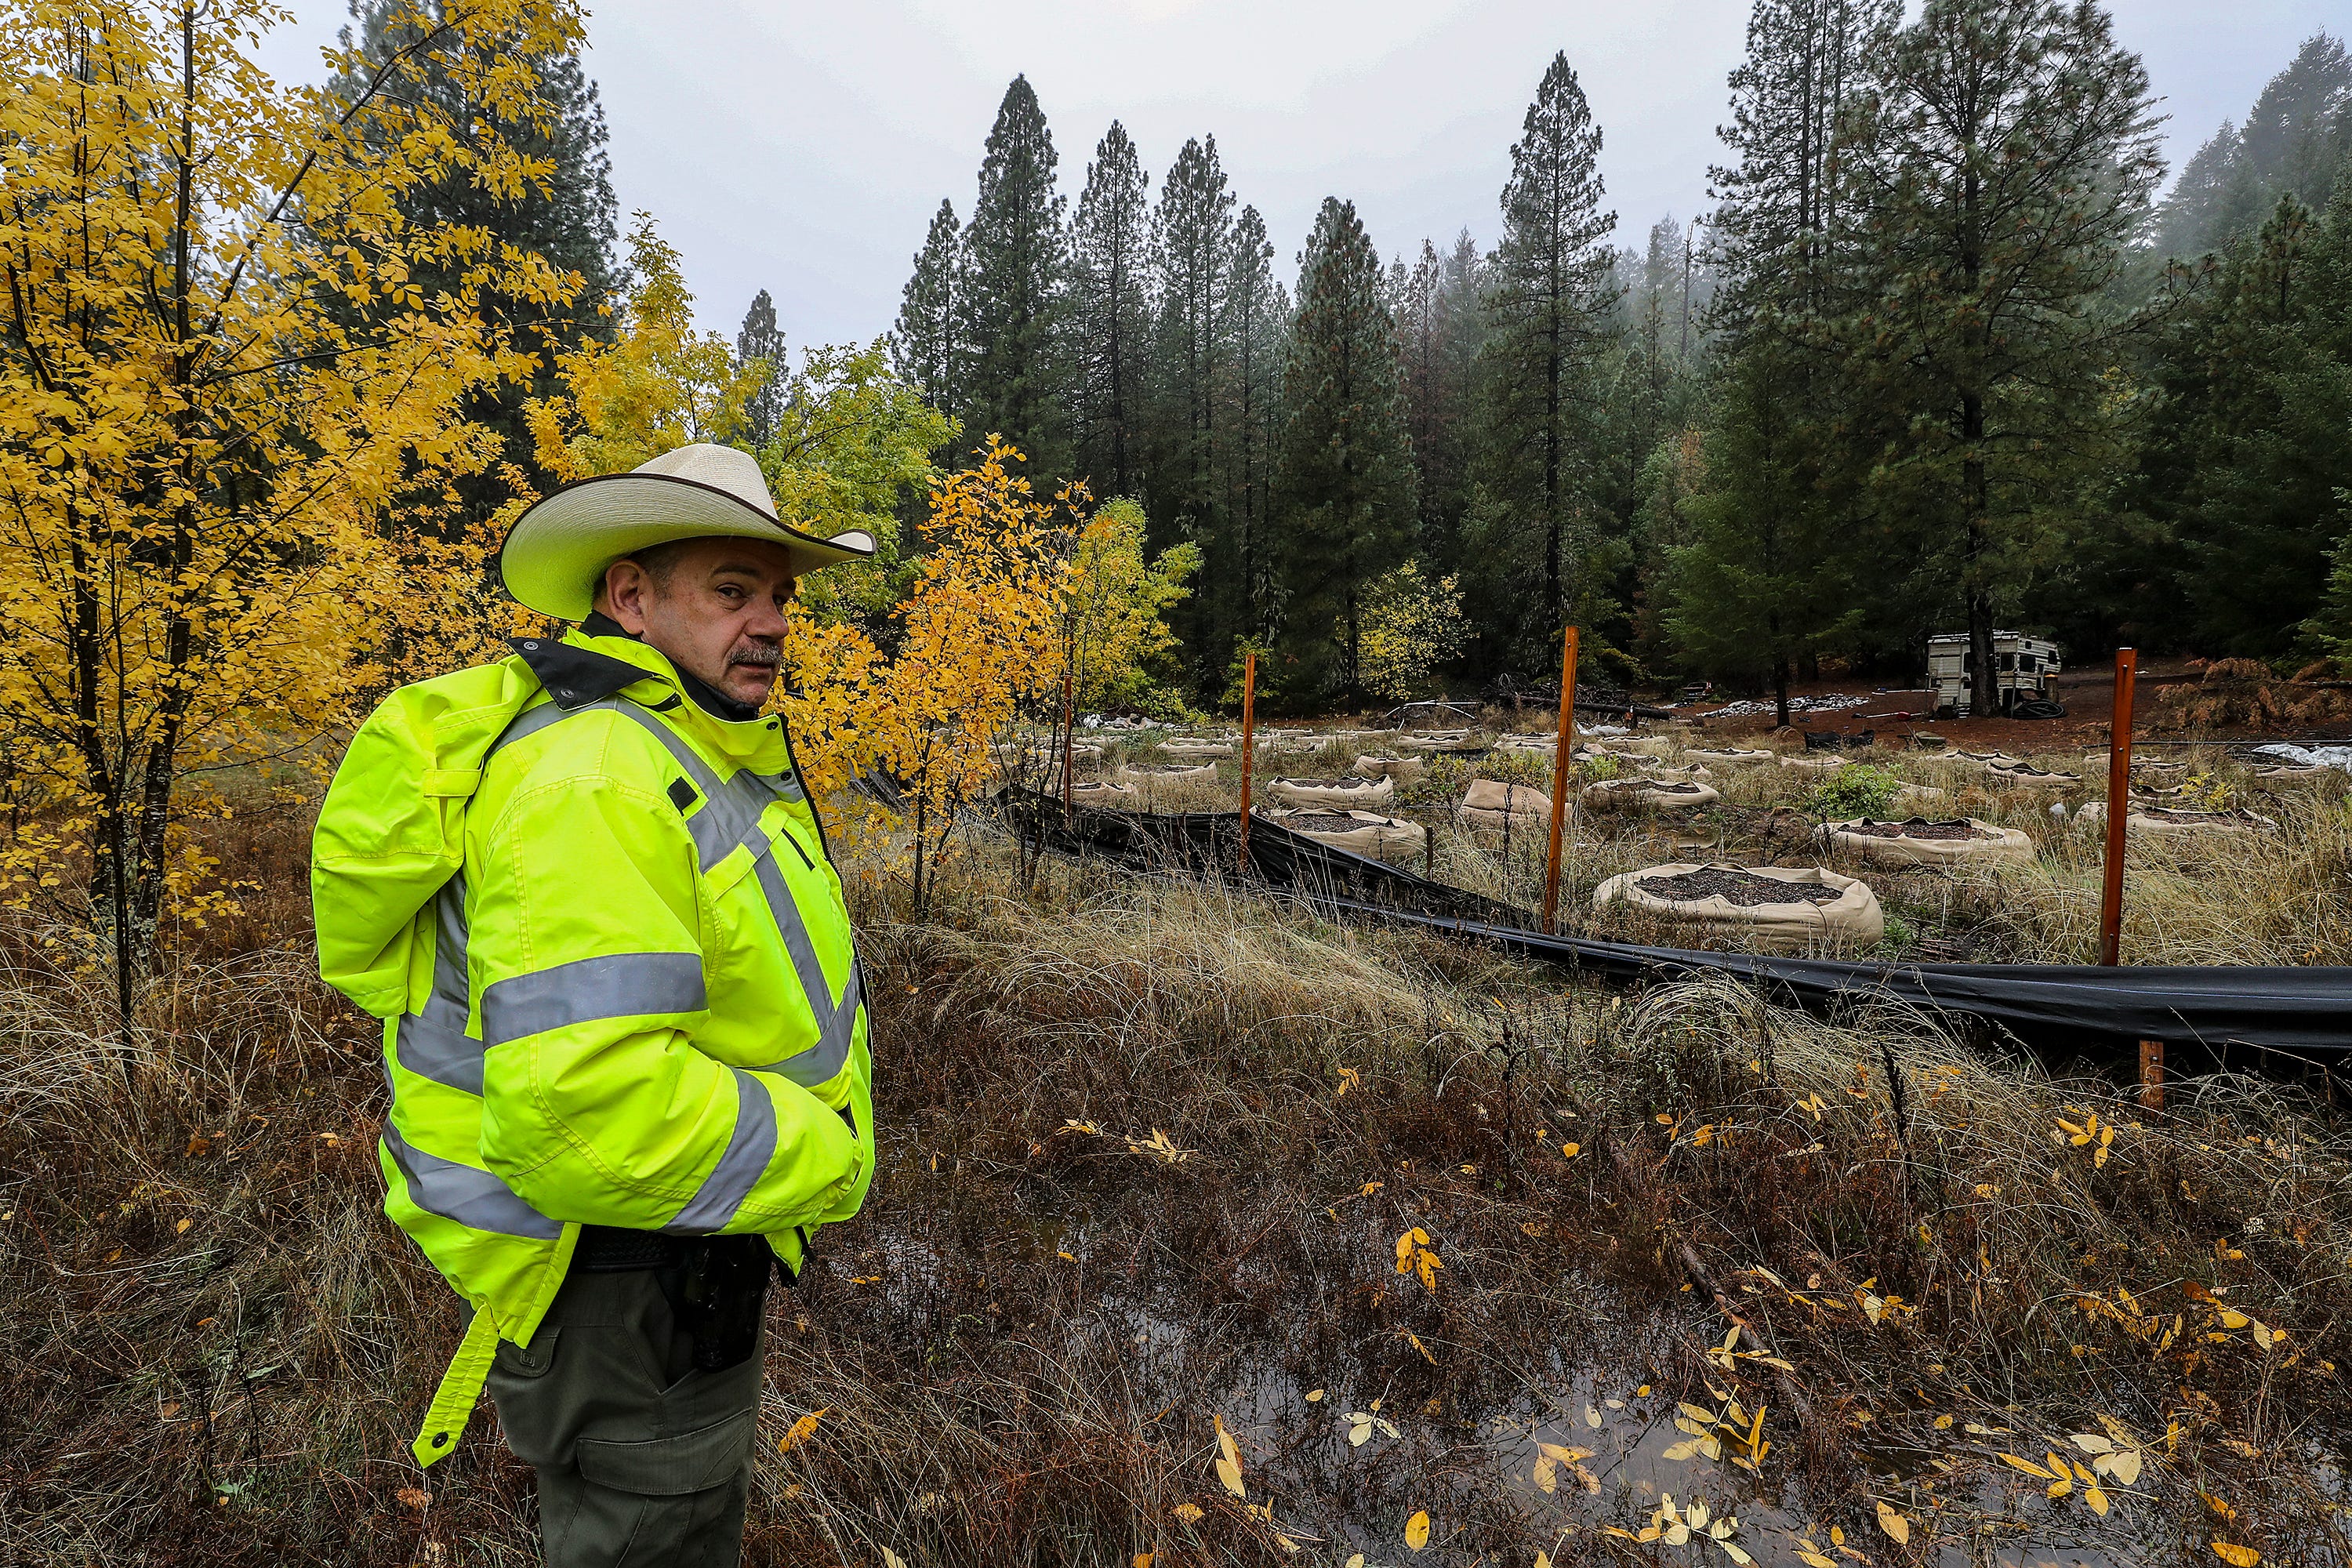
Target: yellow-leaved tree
[(1413, 623), (978, 639), (659, 385), (1115, 632), (216, 379)]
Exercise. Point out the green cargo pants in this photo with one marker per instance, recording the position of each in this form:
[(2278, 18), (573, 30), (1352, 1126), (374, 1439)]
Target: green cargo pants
[(642, 1461)]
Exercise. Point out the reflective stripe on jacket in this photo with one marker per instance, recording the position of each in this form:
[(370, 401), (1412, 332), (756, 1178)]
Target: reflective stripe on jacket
[(638, 1003)]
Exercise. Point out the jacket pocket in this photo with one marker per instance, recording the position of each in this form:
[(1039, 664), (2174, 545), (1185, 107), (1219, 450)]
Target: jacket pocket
[(531, 1359), (671, 1467)]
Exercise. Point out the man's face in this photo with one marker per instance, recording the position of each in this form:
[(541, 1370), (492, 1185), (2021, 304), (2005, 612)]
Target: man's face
[(718, 613)]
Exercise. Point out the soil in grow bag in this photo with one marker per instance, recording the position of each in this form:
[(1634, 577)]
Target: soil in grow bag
[(1741, 888)]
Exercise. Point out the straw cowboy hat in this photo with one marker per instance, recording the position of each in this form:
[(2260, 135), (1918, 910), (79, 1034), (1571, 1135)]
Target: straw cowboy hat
[(556, 553)]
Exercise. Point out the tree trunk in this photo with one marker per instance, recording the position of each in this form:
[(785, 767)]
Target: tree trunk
[(1984, 680)]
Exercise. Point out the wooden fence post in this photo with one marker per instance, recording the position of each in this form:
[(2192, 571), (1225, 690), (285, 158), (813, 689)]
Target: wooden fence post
[(2111, 894), (1562, 762)]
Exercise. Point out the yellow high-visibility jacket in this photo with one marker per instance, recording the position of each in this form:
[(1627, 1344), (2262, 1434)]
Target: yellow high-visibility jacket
[(618, 979)]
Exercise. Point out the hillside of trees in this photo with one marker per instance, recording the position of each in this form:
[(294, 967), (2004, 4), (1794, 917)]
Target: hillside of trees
[(1937, 359)]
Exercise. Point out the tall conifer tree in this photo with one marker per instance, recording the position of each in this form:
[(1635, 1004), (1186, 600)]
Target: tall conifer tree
[(1344, 489), (925, 348), (1011, 298), (1192, 245), (1548, 300), (1257, 321), (1111, 313), (760, 338), (2005, 164)]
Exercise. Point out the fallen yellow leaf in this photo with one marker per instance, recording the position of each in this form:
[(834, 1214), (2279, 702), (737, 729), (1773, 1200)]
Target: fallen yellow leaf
[(1416, 1529), (2236, 1556), (801, 1431), (1190, 1513), (1897, 1528)]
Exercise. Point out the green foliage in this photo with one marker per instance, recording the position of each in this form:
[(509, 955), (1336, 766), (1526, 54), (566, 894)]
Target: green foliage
[(1344, 489), (1010, 304), (1857, 789), (852, 443), (2249, 440), (1115, 608), (1110, 311), (1548, 296)]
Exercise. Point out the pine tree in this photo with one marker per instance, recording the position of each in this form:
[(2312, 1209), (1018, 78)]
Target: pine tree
[(1191, 245), (2004, 165), (1440, 328), (924, 348), (1010, 298), (2296, 138), (2247, 454), (1549, 301), (760, 338), (1345, 483), (573, 221), (1254, 330), (1111, 314)]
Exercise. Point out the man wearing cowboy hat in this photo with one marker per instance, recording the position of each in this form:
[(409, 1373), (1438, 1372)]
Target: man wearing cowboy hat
[(627, 1039)]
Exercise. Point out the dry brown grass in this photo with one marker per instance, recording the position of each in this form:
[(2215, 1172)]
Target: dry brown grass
[(1022, 1344)]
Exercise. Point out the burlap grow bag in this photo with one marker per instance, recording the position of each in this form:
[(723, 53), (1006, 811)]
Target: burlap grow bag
[(1098, 794), (1812, 766), (1147, 775), (1363, 832), (2147, 820), (2290, 777), (1723, 759), (1792, 925), (1346, 794), (1656, 795), (1889, 843), (1193, 750), (1490, 802), (1406, 768), (1441, 740), (2024, 775)]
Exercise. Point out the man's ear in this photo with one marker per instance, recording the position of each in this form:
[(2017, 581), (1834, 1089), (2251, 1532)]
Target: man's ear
[(622, 595)]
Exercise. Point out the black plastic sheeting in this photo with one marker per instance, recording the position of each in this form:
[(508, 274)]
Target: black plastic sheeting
[(2297, 1009)]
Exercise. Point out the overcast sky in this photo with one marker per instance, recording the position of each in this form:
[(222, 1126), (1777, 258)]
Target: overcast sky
[(802, 148)]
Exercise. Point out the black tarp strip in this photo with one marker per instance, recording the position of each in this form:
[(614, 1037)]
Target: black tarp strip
[(2292, 1008)]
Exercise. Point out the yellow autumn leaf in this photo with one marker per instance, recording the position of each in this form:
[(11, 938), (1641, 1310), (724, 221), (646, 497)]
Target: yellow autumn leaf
[(2096, 1498), (1571, 1151), (1144, 1559), (1190, 1513), (2121, 1468), (1547, 1474), (1416, 1529), (801, 1431), (2236, 1556), (2092, 1442), (1231, 1474), (1814, 1559), (1897, 1528)]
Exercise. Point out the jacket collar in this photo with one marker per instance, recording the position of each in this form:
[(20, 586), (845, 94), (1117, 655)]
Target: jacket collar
[(577, 669)]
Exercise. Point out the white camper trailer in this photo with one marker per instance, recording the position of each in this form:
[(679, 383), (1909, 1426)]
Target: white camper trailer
[(2026, 668)]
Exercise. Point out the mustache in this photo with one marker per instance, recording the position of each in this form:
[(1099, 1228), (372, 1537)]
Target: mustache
[(755, 653)]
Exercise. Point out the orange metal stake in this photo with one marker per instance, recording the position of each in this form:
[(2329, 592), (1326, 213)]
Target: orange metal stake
[(2111, 895), (1562, 761), (1249, 744)]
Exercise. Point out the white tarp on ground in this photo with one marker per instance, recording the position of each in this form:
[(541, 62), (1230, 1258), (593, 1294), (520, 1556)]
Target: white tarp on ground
[(1831, 704), (2310, 756)]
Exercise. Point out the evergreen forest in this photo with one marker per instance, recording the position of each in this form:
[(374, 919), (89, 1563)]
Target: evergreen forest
[(1941, 357)]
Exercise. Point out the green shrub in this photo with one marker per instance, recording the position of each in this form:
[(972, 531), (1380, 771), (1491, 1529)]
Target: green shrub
[(1858, 789)]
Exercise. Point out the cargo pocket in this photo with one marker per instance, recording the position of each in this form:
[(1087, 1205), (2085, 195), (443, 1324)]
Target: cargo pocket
[(689, 1462)]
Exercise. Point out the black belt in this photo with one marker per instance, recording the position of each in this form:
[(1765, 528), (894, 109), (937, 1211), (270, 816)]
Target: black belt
[(717, 1285)]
